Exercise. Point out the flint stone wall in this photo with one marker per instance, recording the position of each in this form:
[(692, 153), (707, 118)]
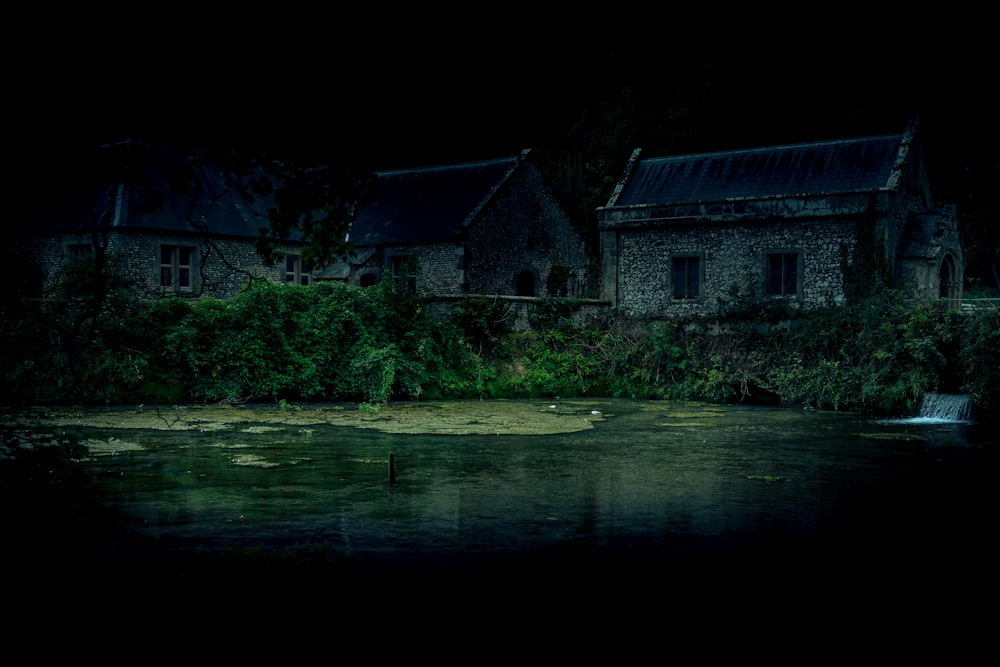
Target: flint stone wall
[(733, 260), (524, 229), (222, 268)]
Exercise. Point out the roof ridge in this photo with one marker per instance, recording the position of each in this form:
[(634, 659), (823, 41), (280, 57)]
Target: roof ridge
[(456, 165), (779, 147)]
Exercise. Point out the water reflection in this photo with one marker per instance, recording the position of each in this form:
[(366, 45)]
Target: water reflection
[(654, 480)]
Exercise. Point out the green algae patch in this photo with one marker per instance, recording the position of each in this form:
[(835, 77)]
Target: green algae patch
[(110, 447), (510, 417), (262, 429), (683, 424), (684, 415), (253, 461), (494, 416)]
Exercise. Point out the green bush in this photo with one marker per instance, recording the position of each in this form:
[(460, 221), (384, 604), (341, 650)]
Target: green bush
[(322, 342), (979, 358), (331, 342)]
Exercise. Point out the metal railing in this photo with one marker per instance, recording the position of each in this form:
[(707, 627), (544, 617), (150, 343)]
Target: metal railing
[(980, 304)]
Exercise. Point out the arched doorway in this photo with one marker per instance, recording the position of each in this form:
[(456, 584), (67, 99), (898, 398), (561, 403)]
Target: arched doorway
[(949, 282), (525, 284)]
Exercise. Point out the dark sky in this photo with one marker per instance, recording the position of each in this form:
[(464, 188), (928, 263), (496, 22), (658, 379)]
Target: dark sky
[(439, 86), (489, 86)]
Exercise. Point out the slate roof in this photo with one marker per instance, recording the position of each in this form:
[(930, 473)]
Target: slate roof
[(819, 168), (925, 232), (216, 209), (430, 203), (155, 205)]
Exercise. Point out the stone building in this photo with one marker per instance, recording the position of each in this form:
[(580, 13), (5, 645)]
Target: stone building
[(172, 227), (679, 235), (492, 228)]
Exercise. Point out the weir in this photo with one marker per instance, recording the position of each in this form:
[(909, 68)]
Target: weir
[(946, 407)]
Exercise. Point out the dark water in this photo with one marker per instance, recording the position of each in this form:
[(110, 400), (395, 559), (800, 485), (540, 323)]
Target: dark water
[(660, 509), (650, 482)]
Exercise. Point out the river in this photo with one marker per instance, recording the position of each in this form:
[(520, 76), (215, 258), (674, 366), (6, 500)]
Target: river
[(639, 495)]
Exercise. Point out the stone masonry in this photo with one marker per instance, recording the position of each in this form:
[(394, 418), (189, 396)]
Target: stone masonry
[(734, 262)]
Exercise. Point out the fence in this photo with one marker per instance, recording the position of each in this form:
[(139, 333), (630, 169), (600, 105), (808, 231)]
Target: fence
[(980, 304)]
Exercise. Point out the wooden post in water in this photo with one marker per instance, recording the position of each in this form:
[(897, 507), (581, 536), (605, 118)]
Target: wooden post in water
[(392, 468)]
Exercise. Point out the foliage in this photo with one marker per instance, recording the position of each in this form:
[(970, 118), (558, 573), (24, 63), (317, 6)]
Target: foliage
[(324, 342), (551, 314), (332, 342), (307, 195), (483, 321), (980, 359), (865, 265), (269, 342), (77, 345), (881, 355)]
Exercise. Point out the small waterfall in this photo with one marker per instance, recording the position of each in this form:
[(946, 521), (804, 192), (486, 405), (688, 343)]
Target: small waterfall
[(946, 407)]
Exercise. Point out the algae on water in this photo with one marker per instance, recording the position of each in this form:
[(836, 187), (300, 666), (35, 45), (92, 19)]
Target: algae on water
[(499, 416)]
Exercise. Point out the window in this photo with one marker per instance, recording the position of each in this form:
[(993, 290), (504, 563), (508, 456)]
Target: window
[(404, 270), (177, 267), (80, 250), (782, 274), (687, 277), (296, 270)]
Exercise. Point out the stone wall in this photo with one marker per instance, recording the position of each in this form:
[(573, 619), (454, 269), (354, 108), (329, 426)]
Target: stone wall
[(733, 257), (931, 261), (584, 312), (441, 268), (222, 267), (525, 229)]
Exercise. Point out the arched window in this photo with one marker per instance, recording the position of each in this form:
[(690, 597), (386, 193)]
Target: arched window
[(525, 283), (948, 287)]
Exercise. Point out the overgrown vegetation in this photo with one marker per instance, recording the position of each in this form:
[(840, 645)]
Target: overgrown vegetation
[(329, 342)]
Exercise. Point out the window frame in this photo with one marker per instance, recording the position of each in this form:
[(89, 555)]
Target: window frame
[(297, 270), (84, 250), (176, 267), (687, 257), (784, 254), (402, 267)]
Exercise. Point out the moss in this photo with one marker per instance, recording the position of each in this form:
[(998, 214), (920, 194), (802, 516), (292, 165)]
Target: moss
[(521, 417)]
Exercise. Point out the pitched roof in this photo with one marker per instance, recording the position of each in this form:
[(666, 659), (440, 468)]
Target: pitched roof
[(925, 232), (172, 196), (818, 168), (212, 207), (430, 203)]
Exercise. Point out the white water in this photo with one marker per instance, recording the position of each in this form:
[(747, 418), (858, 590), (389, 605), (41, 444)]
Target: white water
[(945, 408)]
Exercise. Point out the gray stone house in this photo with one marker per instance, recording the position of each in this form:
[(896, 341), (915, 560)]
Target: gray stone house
[(786, 223), (175, 229), (491, 228)]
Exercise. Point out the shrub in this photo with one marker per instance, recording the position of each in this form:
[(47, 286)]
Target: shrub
[(332, 342), (980, 359)]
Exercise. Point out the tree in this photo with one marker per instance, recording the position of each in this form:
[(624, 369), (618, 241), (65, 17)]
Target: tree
[(79, 321), (307, 196)]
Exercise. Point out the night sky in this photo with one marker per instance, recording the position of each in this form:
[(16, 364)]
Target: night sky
[(405, 94), (393, 96), (488, 103)]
